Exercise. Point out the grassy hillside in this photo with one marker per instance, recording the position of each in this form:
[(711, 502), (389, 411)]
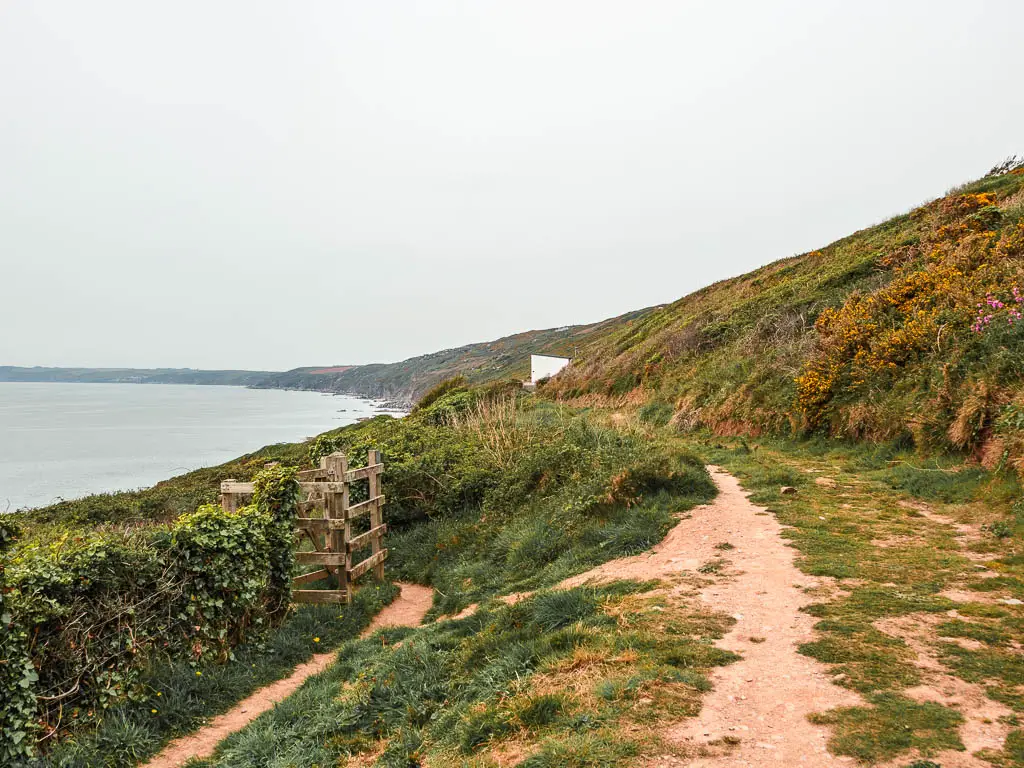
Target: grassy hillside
[(504, 358), (908, 331)]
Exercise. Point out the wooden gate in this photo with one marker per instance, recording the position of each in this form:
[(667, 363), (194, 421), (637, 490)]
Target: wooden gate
[(325, 520)]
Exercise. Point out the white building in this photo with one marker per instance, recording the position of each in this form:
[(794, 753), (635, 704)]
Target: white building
[(543, 366)]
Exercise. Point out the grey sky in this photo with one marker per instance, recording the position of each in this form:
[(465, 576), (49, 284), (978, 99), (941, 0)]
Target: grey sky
[(266, 185)]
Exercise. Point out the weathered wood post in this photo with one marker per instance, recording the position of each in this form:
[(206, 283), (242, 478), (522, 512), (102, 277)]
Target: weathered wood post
[(336, 508), (376, 516), (228, 500)]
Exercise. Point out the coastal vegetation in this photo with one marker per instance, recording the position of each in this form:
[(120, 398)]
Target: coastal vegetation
[(868, 394), (112, 605)]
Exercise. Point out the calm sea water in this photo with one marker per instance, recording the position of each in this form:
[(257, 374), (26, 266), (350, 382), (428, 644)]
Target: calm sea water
[(70, 440)]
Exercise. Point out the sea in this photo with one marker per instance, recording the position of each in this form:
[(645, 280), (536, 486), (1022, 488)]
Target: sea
[(63, 441)]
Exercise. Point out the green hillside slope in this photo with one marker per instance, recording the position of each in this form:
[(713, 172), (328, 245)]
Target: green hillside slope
[(909, 330), (504, 358)]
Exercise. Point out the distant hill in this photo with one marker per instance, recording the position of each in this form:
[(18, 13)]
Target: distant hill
[(132, 375), (504, 358)]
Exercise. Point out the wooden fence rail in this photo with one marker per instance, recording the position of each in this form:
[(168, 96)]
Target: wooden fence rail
[(326, 516)]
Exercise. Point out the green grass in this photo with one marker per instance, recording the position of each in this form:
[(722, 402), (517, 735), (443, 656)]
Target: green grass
[(891, 726), (555, 675), (606, 494), (935, 483), (177, 698)]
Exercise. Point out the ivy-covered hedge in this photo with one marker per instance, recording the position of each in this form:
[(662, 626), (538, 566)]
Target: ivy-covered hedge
[(93, 613), (17, 674)]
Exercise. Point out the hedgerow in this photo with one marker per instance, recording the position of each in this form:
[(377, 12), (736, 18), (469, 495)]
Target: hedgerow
[(174, 700), (101, 608), (276, 495), (17, 674)]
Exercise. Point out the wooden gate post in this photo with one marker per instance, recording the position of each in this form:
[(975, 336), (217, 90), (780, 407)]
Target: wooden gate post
[(228, 500), (376, 516), (336, 508)]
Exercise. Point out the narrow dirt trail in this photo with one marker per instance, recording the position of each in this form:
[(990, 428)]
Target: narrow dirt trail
[(757, 712), (406, 610)]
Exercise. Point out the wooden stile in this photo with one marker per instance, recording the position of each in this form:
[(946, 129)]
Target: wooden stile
[(376, 520), (327, 490), (358, 542), (228, 499), (373, 561), (336, 510), (320, 596), (310, 577)]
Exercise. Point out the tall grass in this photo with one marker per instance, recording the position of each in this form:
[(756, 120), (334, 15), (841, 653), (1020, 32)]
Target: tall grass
[(501, 428), (563, 495)]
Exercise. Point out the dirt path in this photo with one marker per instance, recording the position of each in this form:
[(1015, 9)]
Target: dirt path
[(407, 610), (757, 712)]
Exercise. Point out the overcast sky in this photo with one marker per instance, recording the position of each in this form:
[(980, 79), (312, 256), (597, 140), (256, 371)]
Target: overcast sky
[(267, 185)]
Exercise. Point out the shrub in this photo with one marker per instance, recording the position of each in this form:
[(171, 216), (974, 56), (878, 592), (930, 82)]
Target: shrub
[(439, 390), (102, 608), (18, 676)]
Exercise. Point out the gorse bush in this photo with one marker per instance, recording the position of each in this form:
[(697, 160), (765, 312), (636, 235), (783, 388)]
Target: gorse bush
[(944, 294), (99, 610)]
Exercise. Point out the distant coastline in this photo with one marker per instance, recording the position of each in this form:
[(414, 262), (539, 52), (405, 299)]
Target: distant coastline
[(132, 375), (399, 384), (65, 440), (195, 376)]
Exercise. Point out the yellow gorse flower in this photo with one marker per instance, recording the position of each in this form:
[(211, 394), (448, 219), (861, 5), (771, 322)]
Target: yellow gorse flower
[(931, 298)]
